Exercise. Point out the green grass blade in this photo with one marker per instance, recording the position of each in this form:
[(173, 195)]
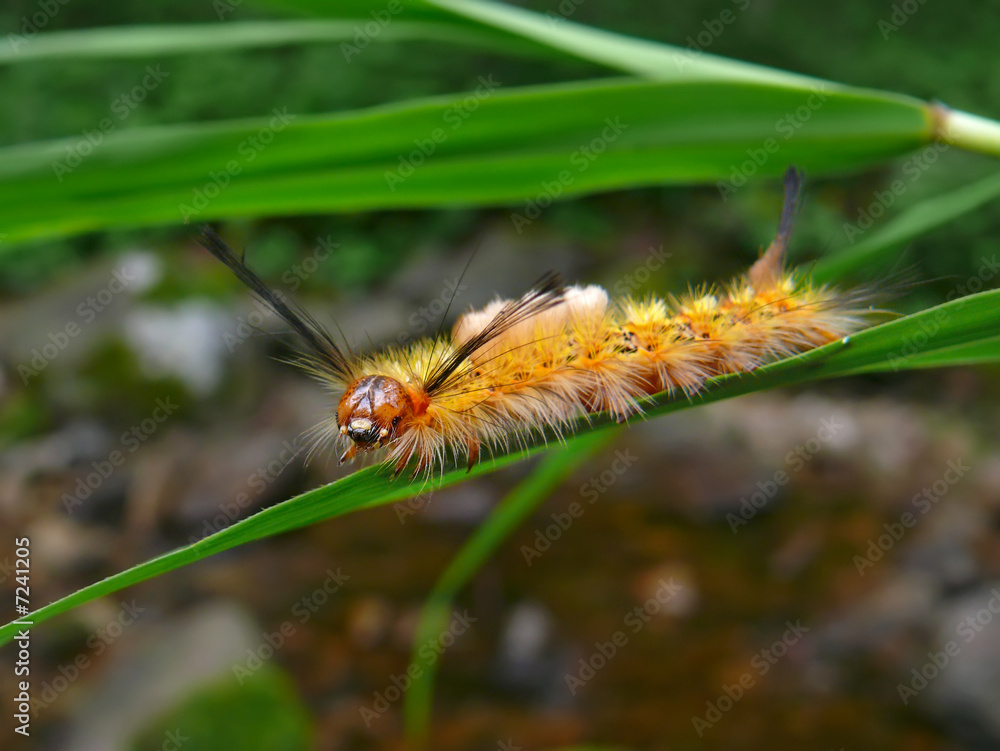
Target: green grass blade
[(984, 352), (505, 518), (658, 61), (628, 54), (910, 224), (972, 320), (179, 39), (570, 39), (366, 488), (667, 62), (532, 144)]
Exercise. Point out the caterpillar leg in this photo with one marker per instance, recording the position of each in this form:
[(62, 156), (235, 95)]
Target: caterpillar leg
[(473, 445), (349, 454), (423, 464), (401, 465)]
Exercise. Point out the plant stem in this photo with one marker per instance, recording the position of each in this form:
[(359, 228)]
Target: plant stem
[(969, 132)]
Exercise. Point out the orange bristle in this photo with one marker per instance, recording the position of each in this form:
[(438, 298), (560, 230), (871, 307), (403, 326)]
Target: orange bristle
[(538, 364)]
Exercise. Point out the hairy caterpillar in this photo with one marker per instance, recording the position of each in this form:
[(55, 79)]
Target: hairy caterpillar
[(557, 354)]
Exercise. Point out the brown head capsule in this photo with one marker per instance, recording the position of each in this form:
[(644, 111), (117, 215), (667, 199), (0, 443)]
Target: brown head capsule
[(371, 411)]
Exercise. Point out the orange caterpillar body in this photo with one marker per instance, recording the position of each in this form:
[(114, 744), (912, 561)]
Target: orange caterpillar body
[(558, 354)]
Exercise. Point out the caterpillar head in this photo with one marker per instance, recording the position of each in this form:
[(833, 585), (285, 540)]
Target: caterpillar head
[(372, 411)]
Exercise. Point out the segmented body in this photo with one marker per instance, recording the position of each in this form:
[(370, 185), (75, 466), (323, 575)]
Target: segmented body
[(587, 355), (541, 362)]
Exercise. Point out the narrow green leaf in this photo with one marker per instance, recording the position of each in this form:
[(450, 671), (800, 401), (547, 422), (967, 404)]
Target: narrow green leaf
[(910, 224), (663, 61), (984, 352), (899, 345), (505, 518), (554, 32), (628, 54), (179, 39), (521, 147)]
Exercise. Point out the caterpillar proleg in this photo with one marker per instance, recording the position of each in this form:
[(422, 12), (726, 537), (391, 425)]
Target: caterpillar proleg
[(557, 354)]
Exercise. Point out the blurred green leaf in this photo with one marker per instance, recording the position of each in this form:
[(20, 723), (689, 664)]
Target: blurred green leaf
[(523, 147), (908, 225), (638, 56), (262, 713), (554, 32), (166, 39)]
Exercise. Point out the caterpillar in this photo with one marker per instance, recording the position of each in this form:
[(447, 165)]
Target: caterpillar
[(558, 353)]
